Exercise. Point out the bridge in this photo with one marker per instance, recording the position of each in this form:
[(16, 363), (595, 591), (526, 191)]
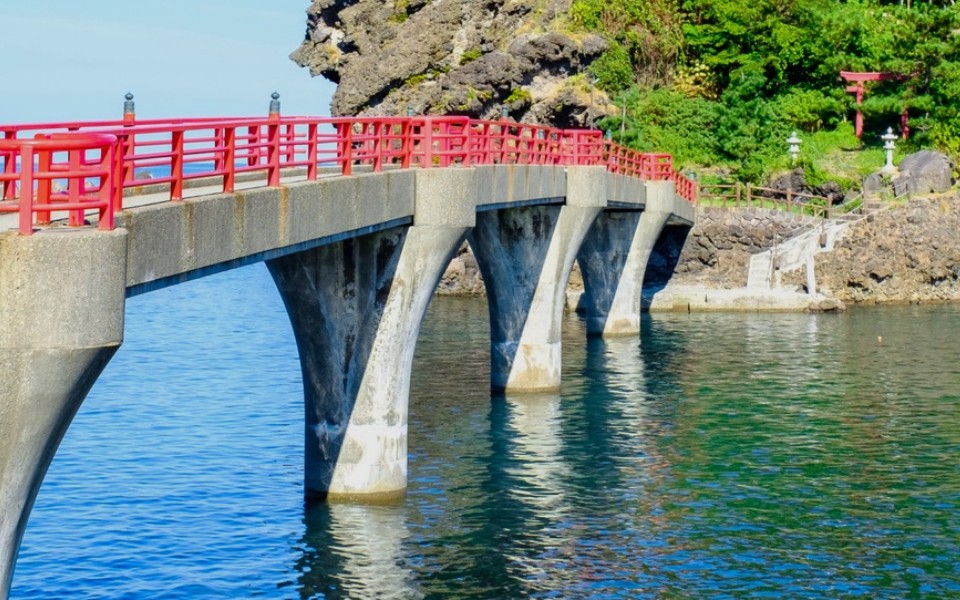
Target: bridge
[(356, 219)]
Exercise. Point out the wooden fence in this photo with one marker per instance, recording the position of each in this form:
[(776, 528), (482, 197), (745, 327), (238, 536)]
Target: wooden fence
[(740, 195)]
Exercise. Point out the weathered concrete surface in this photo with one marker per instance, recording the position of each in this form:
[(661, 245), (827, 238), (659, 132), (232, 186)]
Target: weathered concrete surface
[(176, 241), (63, 297), (626, 190), (356, 308), (499, 185), (525, 255), (613, 260)]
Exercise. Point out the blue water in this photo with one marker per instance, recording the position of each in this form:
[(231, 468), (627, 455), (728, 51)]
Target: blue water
[(724, 456)]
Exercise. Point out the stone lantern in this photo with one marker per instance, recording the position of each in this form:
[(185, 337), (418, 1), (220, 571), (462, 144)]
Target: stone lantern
[(794, 142), (888, 147)]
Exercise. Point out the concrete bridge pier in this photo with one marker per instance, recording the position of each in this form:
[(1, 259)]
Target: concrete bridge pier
[(356, 308), (525, 255), (62, 294), (613, 260)]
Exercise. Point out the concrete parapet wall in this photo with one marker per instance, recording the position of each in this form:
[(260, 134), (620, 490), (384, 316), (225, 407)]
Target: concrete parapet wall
[(511, 184), (172, 239), (626, 190)]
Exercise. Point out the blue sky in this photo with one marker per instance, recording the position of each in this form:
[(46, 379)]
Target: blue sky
[(75, 59)]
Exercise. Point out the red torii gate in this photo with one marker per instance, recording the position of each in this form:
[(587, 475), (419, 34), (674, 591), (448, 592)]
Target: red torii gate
[(858, 89)]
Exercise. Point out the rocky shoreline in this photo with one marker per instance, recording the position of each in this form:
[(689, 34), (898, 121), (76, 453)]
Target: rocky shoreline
[(904, 253)]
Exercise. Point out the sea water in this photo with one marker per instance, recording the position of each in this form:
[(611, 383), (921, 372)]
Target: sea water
[(714, 456)]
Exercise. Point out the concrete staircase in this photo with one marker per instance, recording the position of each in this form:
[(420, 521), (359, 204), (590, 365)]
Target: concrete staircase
[(788, 255)]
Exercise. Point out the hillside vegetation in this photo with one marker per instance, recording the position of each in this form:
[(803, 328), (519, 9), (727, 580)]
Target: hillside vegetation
[(724, 82)]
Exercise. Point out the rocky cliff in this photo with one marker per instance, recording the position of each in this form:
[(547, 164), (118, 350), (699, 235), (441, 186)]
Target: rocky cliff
[(454, 57)]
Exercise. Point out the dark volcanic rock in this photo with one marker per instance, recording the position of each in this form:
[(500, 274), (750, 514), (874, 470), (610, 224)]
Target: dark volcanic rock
[(925, 172), (447, 56)]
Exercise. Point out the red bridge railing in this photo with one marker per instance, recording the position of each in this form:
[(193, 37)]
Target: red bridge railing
[(76, 167)]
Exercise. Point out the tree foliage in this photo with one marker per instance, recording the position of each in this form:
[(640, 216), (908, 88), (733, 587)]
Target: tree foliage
[(746, 73)]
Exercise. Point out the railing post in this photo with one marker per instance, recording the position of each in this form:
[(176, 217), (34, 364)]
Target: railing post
[(9, 191), (107, 183), (75, 188), (230, 158), (406, 141), (176, 165), (345, 146), (44, 184), (312, 151), (377, 145), (427, 143), (26, 190), (273, 154), (119, 174), (253, 145)]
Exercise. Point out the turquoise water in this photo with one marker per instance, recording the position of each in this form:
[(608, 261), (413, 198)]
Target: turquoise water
[(724, 456)]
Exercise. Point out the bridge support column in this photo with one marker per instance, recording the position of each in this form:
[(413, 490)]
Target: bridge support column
[(356, 308), (525, 256), (613, 260), (62, 294)]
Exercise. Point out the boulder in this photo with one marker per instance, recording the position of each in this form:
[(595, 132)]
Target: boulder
[(873, 182), (796, 181), (925, 172)]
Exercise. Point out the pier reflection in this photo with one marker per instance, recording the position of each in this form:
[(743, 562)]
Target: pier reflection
[(353, 551)]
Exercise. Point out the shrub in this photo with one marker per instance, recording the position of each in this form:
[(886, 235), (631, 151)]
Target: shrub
[(613, 69)]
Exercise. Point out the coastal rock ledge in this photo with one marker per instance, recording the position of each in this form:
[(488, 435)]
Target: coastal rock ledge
[(907, 253), (904, 254)]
